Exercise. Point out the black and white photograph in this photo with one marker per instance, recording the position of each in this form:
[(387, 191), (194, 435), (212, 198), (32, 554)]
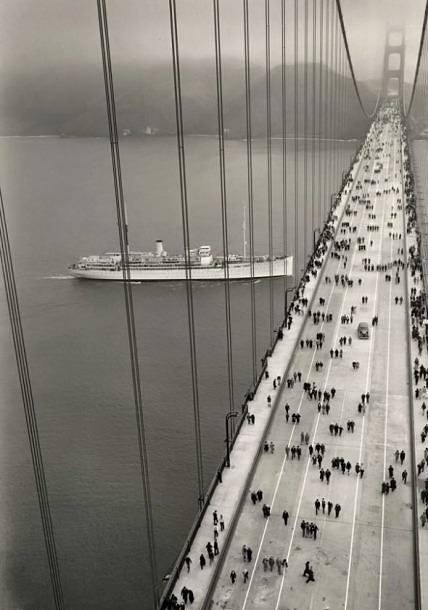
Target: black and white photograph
[(214, 304)]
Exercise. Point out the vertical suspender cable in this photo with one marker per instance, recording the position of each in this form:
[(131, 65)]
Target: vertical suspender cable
[(331, 109), (269, 169), (327, 110), (186, 242), (305, 134), (341, 113), (129, 305), (250, 184), (343, 116), (284, 153), (339, 110), (296, 142), (314, 107), (332, 106), (223, 196), (336, 106), (320, 115), (29, 410)]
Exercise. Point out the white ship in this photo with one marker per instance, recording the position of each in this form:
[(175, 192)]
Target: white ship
[(160, 266)]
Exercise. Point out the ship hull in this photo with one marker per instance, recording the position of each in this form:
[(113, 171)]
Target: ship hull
[(237, 271)]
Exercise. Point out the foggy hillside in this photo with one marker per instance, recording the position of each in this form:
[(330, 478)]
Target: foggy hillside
[(71, 102)]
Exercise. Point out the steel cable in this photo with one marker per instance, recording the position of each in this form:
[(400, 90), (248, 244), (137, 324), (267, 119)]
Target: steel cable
[(351, 67), (333, 108), (269, 170), (418, 63), (186, 244), (284, 155), (223, 197), (331, 111), (296, 142), (305, 134), (250, 185), (320, 120), (326, 110), (314, 110), (129, 305), (29, 409)]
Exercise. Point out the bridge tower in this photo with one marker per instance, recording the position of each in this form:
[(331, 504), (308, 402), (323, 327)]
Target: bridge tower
[(393, 64)]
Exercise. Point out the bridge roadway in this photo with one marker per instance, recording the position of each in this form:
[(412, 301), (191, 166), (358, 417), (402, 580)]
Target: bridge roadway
[(365, 557)]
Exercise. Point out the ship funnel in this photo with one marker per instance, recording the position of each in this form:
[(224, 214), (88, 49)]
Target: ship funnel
[(159, 247)]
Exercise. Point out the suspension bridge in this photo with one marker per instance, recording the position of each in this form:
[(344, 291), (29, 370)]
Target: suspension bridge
[(341, 385)]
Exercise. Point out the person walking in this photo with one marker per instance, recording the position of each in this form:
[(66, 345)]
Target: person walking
[(202, 561), (317, 506), (187, 561), (310, 576), (285, 517), (337, 510), (233, 577)]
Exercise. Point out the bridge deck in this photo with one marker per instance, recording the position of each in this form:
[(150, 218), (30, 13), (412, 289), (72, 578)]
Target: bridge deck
[(364, 558)]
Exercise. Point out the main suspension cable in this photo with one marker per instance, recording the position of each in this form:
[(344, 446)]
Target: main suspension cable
[(351, 67), (127, 287), (418, 63)]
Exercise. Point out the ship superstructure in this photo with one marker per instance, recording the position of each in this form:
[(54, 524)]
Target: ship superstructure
[(159, 265)]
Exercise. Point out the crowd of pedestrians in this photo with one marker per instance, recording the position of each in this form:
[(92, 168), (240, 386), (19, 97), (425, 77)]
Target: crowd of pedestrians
[(323, 398)]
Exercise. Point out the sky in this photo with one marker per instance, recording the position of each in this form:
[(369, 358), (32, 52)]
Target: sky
[(40, 34)]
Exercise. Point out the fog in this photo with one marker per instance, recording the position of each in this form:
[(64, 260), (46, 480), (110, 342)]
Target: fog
[(44, 33)]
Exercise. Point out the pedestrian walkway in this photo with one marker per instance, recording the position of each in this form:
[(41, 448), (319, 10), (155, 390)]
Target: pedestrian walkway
[(416, 274), (320, 509)]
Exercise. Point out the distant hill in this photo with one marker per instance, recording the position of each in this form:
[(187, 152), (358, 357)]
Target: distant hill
[(71, 102)]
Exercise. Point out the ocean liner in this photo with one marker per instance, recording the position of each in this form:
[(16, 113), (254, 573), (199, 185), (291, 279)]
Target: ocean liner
[(158, 266)]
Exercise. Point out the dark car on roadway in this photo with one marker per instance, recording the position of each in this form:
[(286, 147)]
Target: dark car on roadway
[(363, 330)]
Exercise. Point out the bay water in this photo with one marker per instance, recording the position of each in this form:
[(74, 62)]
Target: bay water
[(59, 200)]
